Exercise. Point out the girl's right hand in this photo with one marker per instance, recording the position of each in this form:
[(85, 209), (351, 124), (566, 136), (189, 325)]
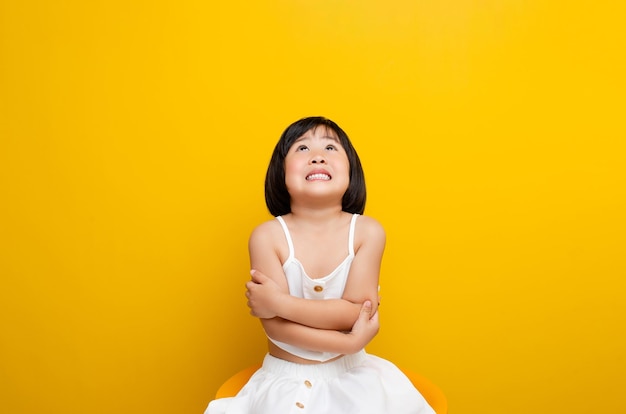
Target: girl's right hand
[(366, 326), (264, 296)]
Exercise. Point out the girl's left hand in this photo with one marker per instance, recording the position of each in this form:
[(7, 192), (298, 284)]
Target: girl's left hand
[(263, 296), (366, 326)]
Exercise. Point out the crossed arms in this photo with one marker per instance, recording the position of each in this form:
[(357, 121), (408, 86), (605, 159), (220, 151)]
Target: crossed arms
[(341, 326)]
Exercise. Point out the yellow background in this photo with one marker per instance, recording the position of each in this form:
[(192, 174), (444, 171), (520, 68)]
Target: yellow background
[(134, 138)]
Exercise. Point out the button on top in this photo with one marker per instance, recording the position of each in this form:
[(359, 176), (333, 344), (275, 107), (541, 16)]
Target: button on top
[(299, 405), (308, 384), (318, 288)]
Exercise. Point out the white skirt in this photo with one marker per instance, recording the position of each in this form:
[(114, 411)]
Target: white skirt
[(360, 383)]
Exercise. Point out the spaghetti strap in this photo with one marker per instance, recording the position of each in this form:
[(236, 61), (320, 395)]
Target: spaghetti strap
[(287, 236), (351, 237)]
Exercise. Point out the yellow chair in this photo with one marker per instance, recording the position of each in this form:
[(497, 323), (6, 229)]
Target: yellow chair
[(433, 394)]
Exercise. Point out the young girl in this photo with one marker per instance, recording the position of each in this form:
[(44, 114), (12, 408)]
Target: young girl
[(315, 287)]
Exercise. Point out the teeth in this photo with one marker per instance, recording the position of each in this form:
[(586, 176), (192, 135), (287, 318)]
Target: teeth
[(318, 177)]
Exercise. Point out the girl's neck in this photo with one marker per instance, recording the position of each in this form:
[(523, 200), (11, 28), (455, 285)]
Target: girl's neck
[(316, 214)]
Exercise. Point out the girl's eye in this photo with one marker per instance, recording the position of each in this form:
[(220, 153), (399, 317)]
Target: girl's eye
[(302, 148), (331, 148)]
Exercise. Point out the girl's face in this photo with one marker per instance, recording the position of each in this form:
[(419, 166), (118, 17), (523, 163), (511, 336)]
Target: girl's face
[(317, 166)]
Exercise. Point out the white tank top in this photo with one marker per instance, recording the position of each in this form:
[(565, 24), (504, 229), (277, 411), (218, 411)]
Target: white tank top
[(301, 285)]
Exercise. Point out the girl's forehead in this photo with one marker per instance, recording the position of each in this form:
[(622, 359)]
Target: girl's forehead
[(320, 131)]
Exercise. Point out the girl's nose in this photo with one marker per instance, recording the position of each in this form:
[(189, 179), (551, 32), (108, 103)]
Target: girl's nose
[(318, 159)]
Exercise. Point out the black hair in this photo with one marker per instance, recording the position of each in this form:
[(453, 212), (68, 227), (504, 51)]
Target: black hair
[(276, 195)]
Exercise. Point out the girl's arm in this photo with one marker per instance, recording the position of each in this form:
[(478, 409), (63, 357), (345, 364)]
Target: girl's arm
[(363, 280), (322, 340), (267, 298)]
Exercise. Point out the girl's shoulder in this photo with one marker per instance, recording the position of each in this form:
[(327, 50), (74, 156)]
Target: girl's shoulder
[(369, 227), (266, 232)]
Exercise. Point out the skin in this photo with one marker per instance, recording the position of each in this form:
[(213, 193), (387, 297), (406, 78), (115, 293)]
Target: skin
[(319, 229)]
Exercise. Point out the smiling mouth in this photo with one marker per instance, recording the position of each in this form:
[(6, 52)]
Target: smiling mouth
[(318, 176)]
